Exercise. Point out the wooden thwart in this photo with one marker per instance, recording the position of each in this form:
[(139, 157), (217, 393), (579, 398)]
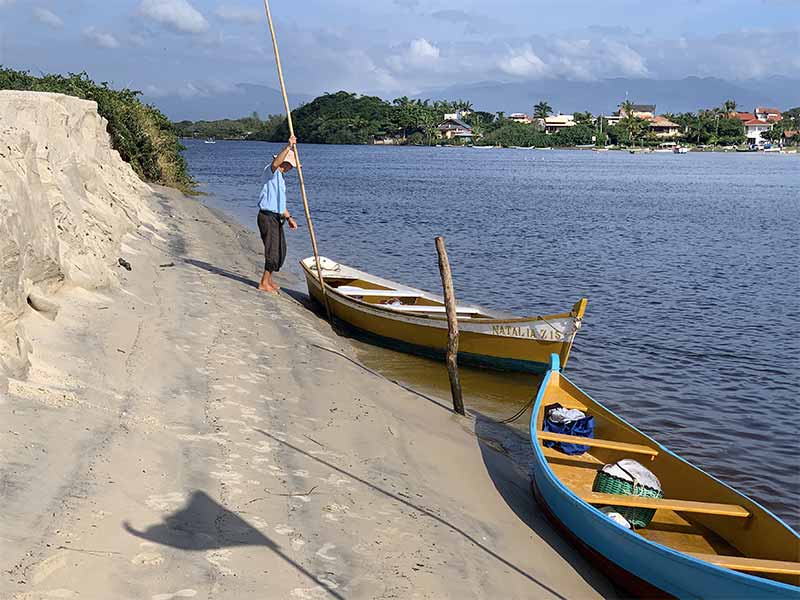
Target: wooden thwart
[(421, 308), (708, 508), (349, 290), (752, 565), (596, 443)]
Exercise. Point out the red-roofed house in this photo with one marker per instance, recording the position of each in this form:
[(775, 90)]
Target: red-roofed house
[(742, 116), (764, 113), (764, 119)]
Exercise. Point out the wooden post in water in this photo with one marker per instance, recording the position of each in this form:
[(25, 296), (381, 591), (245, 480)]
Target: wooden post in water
[(452, 326), (299, 164)]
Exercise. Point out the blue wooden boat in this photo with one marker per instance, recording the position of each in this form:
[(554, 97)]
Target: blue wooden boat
[(706, 540)]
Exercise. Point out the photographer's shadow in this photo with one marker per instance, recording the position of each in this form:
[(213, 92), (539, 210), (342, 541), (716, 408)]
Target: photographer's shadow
[(203, 524)]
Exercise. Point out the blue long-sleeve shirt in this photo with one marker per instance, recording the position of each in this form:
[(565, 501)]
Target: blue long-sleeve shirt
[(273, 193)]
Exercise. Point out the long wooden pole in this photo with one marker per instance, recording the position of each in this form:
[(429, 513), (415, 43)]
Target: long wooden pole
[(299, 164), (452, 326)]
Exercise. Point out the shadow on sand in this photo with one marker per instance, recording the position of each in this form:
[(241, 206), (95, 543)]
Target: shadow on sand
[(203, 524), (499, 442), (539, 525), (201, 264)]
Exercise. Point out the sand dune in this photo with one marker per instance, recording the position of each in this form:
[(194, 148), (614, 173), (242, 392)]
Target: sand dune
[(66, 200)]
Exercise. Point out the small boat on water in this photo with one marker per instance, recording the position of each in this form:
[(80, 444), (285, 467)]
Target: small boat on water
[(210, 141), (411, 320), (704, 539), (680, 150)]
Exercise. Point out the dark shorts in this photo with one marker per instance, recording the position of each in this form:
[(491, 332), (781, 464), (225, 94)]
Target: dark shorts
[(270, 225)]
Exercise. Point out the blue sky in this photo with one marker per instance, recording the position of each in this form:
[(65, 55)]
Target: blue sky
[(394, 47)]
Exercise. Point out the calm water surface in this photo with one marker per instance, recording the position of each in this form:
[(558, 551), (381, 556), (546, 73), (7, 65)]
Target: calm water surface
[(690, 264)]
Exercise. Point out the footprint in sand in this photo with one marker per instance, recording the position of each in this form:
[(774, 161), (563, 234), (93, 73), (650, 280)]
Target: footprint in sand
[(323, 552), (148, 559), (55, 594), (187, 593), (165, 502)]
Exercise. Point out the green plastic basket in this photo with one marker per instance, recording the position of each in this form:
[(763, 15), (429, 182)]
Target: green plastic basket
[(637, 517)]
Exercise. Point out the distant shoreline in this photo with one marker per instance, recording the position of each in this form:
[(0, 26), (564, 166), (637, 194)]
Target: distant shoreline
[(636, 149)]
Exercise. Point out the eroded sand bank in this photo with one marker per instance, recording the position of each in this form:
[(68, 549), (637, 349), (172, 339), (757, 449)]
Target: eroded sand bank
[(182, 435)]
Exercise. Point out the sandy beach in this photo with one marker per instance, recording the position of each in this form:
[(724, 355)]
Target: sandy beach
[(171, 432)]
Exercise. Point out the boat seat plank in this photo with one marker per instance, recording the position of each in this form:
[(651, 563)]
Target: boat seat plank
[(596, 443), (350, 290), (752, 565), (708, 508), (429, 309)]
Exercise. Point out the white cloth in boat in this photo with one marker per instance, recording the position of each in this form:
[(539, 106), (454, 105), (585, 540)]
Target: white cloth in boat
[(635, 472), (565, 415), (612, 514)]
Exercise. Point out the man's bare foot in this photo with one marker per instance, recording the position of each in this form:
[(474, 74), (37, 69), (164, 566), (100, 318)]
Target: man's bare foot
[(269, 289)]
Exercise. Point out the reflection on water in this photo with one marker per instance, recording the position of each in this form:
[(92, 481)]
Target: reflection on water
[(495, 394), (689, 263)]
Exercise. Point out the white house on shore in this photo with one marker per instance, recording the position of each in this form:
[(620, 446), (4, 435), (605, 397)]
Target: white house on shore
[(520, 118), (763, 120), (556, 123)]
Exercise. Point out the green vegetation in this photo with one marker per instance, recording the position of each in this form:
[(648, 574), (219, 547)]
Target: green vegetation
[(229, 129), (542, 110), (714, 126), (141, 134), (786, 129), (508, 133)]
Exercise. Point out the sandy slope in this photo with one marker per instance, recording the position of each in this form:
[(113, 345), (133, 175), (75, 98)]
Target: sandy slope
[(66, 200), (184, 437)]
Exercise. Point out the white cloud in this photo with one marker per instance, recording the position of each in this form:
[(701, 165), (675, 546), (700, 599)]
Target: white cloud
[(240, 14), (420, 53), (178, 15), (101, 39), (47, 17), (524, 63)]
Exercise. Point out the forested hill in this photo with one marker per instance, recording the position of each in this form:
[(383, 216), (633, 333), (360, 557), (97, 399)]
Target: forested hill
[(340, 118)]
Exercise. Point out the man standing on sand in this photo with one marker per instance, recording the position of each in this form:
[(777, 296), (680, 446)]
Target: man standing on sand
[(272, 213)]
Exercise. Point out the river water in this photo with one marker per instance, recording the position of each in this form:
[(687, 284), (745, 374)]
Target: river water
[(690, 264)]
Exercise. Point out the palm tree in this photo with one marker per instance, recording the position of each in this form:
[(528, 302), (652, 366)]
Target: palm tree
[(729, 107), (626, 108), (542, 110), (634, 124), (463, 105)]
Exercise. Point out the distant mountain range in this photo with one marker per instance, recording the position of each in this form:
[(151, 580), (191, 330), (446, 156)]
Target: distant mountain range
[(601, 96), (238, 102), (604, 96)]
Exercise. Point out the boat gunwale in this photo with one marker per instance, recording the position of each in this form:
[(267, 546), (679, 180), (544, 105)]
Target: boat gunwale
[(627, 534), (387, 311)]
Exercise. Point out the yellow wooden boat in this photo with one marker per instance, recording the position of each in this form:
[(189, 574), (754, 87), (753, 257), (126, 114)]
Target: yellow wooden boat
[(414, 321), (705, 540)]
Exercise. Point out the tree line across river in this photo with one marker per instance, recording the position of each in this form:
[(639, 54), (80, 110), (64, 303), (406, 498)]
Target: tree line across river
[(348, 118)]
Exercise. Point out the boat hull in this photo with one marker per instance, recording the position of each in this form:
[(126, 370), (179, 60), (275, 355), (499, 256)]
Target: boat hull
[(656, 570), (625, 580), (513, 345)]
